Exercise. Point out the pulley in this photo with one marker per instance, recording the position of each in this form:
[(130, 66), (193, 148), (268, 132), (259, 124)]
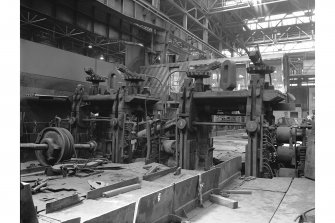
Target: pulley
[(54, 145), (181, 124), (251, 126)]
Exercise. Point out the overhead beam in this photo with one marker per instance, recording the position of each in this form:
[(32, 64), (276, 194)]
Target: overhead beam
[(193, 19), (241, 6), (161, 15), (223, 34)]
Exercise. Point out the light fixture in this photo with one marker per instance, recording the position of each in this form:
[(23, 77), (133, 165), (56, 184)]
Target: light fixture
[(255, 2), (102, 57), (133, 43), (90, 46)]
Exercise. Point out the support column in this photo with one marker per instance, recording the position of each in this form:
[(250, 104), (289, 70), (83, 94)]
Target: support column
[(185, 36), (185, 21), (161, 44), (108, 18), (231, 53), (156, 4), (220, 46), (152, 41), (205, 31), (166, 46)]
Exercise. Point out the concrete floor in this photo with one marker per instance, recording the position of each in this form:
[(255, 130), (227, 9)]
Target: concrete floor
[(272, 201)]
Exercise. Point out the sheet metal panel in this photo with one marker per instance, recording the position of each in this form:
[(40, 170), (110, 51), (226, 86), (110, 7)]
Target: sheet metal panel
[(155, 206), (124, 214), (185, 194), (229, 168)]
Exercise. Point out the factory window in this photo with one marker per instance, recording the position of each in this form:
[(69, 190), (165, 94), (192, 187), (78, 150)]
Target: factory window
[(174, 80), (287, 22), (215, 80), (226, 53)]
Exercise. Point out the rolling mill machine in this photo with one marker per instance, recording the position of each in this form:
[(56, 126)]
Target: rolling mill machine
[(127, 123), (114, 123), (198, 105)]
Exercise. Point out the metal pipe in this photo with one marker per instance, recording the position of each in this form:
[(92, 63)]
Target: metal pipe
[(51, 96), (242, 115), (168, 124), (34, 146), (219, 123), (96, 120), (43, 146), (105, 98)]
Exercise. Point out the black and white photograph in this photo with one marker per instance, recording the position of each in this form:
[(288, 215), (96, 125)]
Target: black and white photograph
[(167, 111)]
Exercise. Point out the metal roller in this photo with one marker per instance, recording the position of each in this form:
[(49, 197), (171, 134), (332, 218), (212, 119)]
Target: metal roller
[(284, 133), (169, 146), (285, 154)]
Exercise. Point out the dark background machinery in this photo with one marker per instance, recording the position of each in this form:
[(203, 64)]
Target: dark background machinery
[(111, 124)]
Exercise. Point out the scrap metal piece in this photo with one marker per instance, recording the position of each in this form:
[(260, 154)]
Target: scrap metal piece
[(96, 184), (93, 194), (223, 201), (62, 203), (121, 190), (153, 176), (200, 187), (178, 171)]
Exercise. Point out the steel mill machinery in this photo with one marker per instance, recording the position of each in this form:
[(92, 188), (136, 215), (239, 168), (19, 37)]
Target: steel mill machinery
[(114, 117), (113, 124), (291, 145), (198, 104)]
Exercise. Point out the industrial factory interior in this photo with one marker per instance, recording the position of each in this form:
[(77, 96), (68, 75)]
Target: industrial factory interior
[(183, 111)]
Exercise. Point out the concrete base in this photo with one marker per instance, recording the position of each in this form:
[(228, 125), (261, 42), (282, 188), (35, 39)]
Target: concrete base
[(299, 198), (272, 201), (276, 184)]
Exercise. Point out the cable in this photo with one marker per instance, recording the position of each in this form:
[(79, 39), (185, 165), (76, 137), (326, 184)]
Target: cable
[(270, 169), (160, 82)]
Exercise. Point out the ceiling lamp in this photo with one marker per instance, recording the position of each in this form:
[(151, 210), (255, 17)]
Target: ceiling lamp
[(255, 2), (133, 43), (90, 46)]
